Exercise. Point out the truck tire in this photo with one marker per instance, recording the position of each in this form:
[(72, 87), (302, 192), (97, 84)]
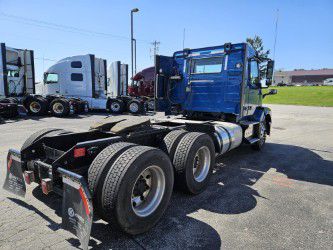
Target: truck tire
[(194, 160), (11, 100), (37, 106), (171, 141), (116, 106), (99, 168), (40, 134), (60, 107), (135, 107), (150, 104), (137, 189), (260, 132)]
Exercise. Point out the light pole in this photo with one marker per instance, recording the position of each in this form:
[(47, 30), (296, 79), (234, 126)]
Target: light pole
[(132, 40)]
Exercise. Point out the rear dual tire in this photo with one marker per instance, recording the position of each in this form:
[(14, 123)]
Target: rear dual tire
[(134, 190), (193, 157), (60, 107), (135, 107), (37, 106)]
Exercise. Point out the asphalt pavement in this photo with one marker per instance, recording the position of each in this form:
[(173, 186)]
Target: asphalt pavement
[(280, 198)]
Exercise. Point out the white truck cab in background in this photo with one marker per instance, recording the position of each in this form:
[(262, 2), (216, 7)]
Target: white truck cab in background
[(86, 77), (82, 76)]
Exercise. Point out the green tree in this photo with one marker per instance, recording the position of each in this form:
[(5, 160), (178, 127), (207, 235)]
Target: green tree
[(261, 53)]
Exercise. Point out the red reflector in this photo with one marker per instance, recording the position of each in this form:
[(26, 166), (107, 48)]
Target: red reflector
[(46, 185), (9, 164), (79, 152), (85, 201), (29, 176)]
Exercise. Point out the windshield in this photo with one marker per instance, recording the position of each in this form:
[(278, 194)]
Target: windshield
[(51, 78), (206, 65)]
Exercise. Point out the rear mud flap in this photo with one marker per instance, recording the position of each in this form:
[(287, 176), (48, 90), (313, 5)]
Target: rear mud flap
[(14, 181), (77, 209)]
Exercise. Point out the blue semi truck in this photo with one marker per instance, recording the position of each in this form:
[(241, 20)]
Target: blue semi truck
[(124, 168)]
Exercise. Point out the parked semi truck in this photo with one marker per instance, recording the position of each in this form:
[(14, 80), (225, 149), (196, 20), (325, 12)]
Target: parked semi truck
[(124, 168), (139, 97), (17, 88), (136, 98), (17, 78), (86, 77)]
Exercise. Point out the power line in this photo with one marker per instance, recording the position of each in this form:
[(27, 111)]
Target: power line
[(65, 28)]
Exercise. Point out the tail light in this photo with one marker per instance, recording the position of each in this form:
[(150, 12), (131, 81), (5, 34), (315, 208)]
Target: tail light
[(79, 152), (29, 176), (47, 185)]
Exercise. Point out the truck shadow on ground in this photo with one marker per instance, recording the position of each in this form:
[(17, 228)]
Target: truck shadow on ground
[(230, 191), (41, 118)]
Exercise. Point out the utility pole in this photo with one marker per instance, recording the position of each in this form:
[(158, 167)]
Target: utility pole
[(154, 51), (275, 35)]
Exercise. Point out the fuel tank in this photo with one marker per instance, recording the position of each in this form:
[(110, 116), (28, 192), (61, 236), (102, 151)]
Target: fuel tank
[(228, 135)]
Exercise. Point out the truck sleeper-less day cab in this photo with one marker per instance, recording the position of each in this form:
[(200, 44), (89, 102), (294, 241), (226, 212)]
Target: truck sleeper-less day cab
[(123, 169)]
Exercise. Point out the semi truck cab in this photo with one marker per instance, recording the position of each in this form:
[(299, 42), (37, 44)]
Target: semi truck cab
[(123, 168), (221, 81), (78, 76)]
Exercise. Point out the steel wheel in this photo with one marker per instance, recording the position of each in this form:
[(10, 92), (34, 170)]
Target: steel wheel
[(35, 107), (115, 106), (151, 105), (148, 191), (134, 107), (201, 164), (58, 108)]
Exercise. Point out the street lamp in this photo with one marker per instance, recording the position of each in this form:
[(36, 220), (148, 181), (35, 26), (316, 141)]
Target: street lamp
[(132, 41)]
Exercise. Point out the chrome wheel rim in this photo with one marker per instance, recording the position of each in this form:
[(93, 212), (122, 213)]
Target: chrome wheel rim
[(115, 106), (148, 191), (58, 108), (134, 107), (35, 107), (151, 105), (201, 164)]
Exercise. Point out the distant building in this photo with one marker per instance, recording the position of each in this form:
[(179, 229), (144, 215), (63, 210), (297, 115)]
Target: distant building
[(302, 77)]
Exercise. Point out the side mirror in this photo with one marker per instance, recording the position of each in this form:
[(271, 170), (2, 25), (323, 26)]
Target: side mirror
[(271, 92), (269, 72)]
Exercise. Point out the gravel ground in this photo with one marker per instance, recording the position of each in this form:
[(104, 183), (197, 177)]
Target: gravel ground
[(278, 198)]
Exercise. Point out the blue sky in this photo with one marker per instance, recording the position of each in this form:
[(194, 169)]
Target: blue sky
[(305, 33)]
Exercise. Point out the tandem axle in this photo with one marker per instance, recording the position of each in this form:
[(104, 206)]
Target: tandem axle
[(123, 168)]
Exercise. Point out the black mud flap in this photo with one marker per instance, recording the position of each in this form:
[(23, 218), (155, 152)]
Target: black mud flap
[(77, 209), (14, 182)]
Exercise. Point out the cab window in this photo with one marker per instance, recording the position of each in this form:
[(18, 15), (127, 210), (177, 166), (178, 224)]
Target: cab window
[(76, 64), (206, 65), (51, 78), (254, 73), (77, 77)]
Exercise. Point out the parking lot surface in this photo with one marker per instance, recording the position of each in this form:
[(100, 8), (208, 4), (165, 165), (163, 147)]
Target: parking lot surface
[(278, 198)]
